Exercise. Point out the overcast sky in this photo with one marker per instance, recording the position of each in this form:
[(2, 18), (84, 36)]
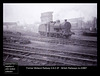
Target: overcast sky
[(31, 12)]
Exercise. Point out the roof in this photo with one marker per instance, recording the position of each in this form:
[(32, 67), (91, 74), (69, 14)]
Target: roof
[(10, 23)]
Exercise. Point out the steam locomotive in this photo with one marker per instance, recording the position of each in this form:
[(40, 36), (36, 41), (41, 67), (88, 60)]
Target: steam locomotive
[(55, 29)]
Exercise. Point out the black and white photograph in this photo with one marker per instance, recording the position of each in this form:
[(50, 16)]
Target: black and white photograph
[(50, 34)]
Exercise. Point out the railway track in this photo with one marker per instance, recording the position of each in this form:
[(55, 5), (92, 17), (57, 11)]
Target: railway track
[(33, 48), (57, 40), (44, 56), (53, 56)]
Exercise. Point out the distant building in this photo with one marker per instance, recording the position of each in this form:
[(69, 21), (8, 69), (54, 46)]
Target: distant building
[(46, 17), (95, 22), (77, 23), (8, 25)]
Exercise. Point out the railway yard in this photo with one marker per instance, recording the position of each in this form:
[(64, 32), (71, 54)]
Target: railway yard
[(47, 51)]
